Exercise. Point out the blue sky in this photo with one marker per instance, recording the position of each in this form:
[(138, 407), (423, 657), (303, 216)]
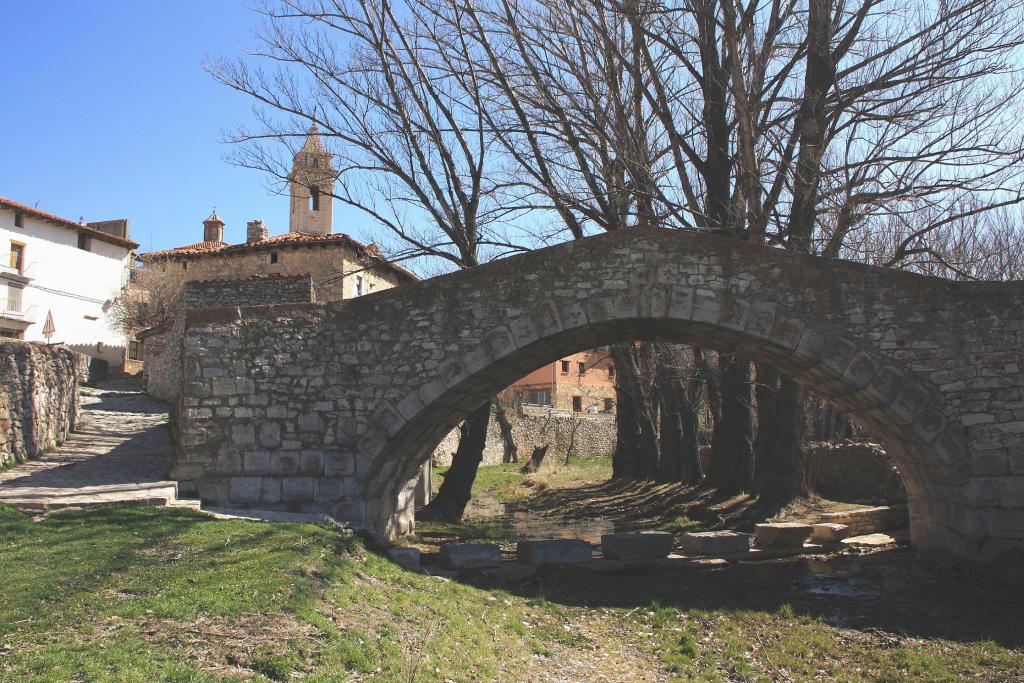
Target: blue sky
[(106, 112)]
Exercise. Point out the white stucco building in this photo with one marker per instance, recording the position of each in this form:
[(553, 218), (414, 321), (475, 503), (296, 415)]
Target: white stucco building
[(68, 272)]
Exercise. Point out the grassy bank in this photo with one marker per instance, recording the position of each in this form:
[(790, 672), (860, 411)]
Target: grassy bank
[(154, 594)]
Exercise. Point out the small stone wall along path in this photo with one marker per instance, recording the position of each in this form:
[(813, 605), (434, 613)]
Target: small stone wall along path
[(120, 453)]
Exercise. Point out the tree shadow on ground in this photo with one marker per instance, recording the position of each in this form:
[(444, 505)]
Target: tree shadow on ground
[(639, 504), (888, 591)]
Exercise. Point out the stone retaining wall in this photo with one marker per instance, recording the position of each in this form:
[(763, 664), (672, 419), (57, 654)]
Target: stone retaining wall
[(39, 401), (589, 436), (856, 472)]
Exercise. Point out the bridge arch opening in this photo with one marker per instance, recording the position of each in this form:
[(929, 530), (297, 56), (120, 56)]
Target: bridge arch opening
[(883, 395)]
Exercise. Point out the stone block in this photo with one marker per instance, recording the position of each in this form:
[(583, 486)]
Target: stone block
[(257, 463), (782, 535), (329, 489), (406, 558), (715, 542), (246, 489), (297, 489), (469, 555), (637, 546), (339, 464), (311, 463), (557, 551), (826, 532)]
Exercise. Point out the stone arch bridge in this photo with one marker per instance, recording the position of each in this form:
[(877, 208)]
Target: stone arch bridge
[(334, 407)]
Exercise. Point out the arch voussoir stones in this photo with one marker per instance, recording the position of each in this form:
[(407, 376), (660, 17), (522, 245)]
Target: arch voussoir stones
[(335, 406)]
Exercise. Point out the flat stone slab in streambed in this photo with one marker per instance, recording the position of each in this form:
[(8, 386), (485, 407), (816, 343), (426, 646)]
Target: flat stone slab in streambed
[(877, 540), (645, 545), (782, 535), (557, 551), (715, 542), (469, 555), (406, 558), (826, 532)]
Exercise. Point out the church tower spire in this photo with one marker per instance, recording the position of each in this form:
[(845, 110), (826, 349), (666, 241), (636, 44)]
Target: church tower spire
[(312, 184)]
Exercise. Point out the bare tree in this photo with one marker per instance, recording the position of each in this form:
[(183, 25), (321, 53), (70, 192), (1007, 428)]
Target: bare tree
[(410, 140), (149, 300)]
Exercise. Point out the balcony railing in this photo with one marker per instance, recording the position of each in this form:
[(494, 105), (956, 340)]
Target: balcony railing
[(16, 310)]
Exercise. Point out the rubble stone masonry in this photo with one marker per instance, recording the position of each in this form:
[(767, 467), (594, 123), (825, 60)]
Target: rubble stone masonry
[(39, 401), (334, 407)]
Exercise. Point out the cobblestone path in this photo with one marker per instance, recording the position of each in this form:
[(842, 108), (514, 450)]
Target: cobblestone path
[(120, 453)]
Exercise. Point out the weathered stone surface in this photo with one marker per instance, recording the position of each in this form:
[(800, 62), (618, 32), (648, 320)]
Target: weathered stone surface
[(907, 355), (406, 558), (39, 401), (826, 532), (715, 543), (864, 521), (555, 551), (782, 535), (638, 546), (869, 541), (469, 555)]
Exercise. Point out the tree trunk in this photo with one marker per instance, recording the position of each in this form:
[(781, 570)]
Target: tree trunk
[(533, 464), (729, 468), (627, 428), (766, 392), (671, 443), (450, 502), (511, 453), (780, 470)]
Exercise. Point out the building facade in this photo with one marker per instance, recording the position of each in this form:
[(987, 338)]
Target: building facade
[(59, 279), (340, 266), (583, 383)]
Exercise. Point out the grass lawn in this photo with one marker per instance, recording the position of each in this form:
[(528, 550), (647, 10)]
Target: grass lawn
[(157, 594)]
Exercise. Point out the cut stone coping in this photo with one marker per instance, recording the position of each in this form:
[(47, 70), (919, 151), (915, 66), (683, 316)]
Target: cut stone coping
[(469, 555), (715, 542), (782, 535), (644, 545), (826, 532), (555, 551), (268, 515)]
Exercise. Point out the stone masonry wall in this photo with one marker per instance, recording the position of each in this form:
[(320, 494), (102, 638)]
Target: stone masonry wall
[(163, 364), (39, 400), (589, 436), (854, 472), (255, 290), (336, 407)]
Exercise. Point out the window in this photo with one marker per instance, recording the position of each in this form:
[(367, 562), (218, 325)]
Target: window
[(359, 285), (14, 299), (611, 371), (577, 404), (11, 334), (135, 350), (582, 368), (84, 241), (565, 367), (540, 397), (274, 258), (314, 198), (184, 265), (19, 219), (609, 405), (17, 261)]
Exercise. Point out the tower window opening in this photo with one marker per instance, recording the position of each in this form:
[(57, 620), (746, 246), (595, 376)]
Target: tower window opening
[(314, 198)]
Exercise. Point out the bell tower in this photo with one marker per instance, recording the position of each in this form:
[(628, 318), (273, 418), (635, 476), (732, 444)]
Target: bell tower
[(312, 185)]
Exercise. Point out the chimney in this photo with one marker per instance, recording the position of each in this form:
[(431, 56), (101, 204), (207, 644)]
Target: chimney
[(213, 228), (256, 231)]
